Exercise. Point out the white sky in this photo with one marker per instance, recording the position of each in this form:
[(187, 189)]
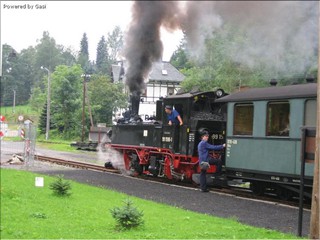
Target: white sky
[(66, 21)]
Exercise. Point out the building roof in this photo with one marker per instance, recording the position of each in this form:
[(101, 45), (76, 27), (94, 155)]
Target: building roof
[(165, 72), (273, 93), (160, 72)]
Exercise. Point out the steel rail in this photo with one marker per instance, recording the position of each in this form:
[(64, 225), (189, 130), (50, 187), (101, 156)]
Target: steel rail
[(75, 164)]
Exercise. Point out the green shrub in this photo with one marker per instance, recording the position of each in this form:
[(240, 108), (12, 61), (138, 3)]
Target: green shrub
[(127, 216), (61, 187)]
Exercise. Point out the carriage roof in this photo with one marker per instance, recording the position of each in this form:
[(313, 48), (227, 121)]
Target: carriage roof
[(273, 93), (191, 94)]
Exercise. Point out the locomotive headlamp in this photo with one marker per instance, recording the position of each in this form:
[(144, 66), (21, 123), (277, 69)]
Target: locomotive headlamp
[(219, 93)]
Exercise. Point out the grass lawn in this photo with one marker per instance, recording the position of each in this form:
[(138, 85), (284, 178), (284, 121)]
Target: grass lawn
[(63, 146), (34, 212)]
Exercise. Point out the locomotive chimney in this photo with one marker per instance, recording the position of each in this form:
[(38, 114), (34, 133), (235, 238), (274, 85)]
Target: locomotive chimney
[(135, 101), (273, 82)]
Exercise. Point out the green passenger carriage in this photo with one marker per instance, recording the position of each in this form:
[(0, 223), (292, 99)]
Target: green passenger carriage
[(264, 137)]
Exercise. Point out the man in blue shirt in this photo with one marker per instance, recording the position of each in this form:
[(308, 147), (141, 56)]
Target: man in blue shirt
[(174, 117), (205, 160)]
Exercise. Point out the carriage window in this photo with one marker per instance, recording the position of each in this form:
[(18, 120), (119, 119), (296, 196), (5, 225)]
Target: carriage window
[(243, 119), (278, 119), (310, 116)]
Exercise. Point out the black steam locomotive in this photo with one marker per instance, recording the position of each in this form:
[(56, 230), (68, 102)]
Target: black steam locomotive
[(158, 149)]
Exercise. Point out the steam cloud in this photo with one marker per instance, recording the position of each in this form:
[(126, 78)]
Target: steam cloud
[(273, 31), (108, 154)]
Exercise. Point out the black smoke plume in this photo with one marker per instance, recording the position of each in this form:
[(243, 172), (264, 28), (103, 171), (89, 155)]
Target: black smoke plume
[(143, 45)]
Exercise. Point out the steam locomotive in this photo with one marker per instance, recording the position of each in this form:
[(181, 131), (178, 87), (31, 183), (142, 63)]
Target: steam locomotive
[(261, 127), (157, 149)]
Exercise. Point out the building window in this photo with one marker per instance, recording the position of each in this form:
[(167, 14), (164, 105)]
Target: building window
[(144, 93), (278, 119), (243, 119), (170, 90), (310, 115)]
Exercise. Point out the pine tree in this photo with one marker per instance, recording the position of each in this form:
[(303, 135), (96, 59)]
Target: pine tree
[(84, 45), (83, 59), (102, 57)]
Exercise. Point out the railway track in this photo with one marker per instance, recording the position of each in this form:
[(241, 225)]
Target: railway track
[(75, 164), (235, 191)]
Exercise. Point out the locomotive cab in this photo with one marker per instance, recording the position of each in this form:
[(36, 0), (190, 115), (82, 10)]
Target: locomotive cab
[(198, 111)]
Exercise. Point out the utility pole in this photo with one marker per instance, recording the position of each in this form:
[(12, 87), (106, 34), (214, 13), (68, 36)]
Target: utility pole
[(314, 221), (89, 107), (86, 78)]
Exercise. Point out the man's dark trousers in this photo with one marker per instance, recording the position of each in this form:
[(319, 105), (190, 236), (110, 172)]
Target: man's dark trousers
[(203, 178)]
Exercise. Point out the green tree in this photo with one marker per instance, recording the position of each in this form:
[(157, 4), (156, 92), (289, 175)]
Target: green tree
[(128, 216), (180, 58), (61, 187), (38, 98), (105, 98), (8, 82), (48, 53), (17, 77), (115, 44), (66, 100), (218, 67), (68, 56), (83, 58), (102, 60), (43, 119), (22, 72)]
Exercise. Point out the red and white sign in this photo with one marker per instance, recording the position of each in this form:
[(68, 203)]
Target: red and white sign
[(22, 133), (2, 118)]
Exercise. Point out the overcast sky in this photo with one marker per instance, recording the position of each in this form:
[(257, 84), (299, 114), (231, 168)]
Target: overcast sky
[(66, 21)]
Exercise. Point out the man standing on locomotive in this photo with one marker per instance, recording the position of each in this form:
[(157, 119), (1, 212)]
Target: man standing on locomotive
[(205, 160), (174, 117)]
